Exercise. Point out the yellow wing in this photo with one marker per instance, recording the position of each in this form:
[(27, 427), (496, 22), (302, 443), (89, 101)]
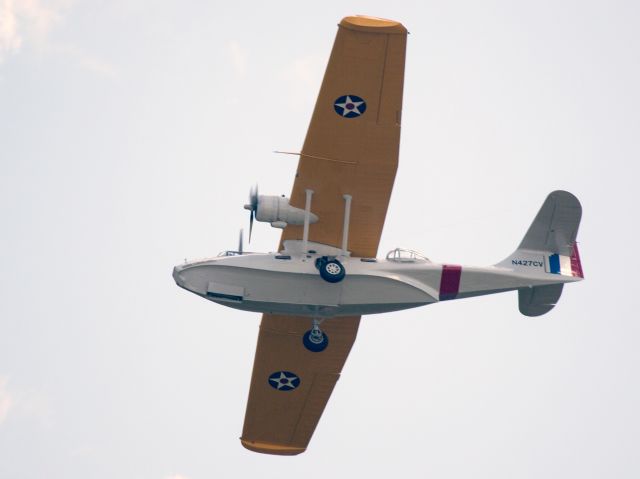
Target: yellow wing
[(353, 140), (281, 421), (351, 148)]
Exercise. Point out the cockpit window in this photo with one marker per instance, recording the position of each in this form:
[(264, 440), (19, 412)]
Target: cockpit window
[(405, 256)]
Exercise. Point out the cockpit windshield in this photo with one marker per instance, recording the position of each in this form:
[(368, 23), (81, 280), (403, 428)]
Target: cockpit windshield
[(402, 255)]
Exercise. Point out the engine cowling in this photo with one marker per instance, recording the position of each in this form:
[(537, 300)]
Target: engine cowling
[(277, 211)]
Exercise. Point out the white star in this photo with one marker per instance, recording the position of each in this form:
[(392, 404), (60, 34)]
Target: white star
[(350, 106), (287, 381)]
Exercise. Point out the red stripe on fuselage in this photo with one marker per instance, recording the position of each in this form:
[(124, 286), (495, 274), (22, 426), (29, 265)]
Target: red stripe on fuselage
[(450, 281)]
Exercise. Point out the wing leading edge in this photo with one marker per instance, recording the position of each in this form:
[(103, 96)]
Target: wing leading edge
[(351, 148)]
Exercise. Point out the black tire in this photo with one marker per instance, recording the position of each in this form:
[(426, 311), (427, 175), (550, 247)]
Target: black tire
[(315, 347), (332, 271)]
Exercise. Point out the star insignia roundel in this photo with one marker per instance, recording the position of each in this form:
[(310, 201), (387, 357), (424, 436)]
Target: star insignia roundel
[(350, 106), (284, 381)]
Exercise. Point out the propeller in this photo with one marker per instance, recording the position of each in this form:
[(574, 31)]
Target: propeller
[(240, 242), (252, 206)]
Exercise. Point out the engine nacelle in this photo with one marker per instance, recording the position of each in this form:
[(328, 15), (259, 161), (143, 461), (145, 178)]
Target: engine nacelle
[(277, 211)]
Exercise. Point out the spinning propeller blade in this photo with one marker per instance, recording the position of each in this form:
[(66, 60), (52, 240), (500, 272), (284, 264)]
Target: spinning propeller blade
[(252, 207)]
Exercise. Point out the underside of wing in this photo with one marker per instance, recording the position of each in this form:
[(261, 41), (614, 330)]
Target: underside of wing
[(291, 385), (353, 139)]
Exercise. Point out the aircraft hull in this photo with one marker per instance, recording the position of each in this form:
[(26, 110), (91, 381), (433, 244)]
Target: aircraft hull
[(281, 284)]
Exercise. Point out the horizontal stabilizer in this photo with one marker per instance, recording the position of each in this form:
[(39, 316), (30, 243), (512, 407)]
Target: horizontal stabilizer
[(539, 300)]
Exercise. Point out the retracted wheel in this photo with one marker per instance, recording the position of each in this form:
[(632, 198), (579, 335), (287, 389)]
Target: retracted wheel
[(331, 270), (315, 340)]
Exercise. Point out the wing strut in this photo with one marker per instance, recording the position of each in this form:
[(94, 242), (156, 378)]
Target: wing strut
[(345, 226), (307, 216)]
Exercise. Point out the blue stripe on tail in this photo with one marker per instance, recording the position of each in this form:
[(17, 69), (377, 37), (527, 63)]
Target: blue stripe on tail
[(554, 264)]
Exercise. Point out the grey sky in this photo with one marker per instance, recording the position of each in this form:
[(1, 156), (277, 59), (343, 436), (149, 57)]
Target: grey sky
[(130, 134)]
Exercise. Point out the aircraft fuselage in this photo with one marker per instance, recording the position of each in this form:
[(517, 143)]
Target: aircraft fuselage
[(289, 283)]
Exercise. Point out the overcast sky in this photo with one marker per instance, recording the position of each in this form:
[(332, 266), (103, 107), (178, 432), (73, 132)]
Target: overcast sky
[(130, 134)]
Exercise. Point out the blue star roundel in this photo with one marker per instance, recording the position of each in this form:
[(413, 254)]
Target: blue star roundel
[(350, 106), (284, 381)]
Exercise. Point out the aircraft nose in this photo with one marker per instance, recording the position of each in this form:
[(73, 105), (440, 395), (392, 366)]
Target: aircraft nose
[(193, 277), (178, 276)]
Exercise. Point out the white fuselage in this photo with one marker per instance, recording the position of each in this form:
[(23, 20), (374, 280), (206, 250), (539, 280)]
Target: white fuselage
[(289, 283)]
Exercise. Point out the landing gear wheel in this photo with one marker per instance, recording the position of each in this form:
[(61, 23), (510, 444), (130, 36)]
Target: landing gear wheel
[(331, 270), (314, 339)]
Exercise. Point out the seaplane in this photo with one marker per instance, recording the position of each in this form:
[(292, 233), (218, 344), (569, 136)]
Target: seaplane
[(325, 274)]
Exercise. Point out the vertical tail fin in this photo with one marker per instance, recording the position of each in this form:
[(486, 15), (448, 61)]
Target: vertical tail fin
[(555, 227), (550, 241), (548, 247)]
